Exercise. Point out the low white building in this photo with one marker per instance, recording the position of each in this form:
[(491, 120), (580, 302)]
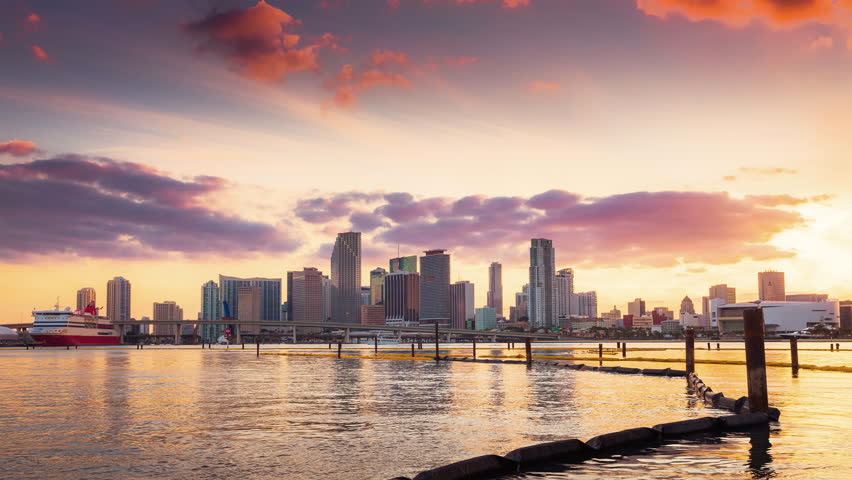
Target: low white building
[(780, 316)]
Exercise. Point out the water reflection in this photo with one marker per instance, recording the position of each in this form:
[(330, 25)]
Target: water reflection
[(759, 459)]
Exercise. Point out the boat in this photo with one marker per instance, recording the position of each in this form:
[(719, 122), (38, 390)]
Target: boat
[(222, 340), (66, 327)]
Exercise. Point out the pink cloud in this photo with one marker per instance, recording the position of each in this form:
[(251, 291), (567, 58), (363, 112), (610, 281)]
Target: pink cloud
[(543, 86), (821, 43), (383, 58), (505, 3), (32, 22), (460, 61), (738, 13), (348, 83), (258, 42), (40, 54), (17, 148)]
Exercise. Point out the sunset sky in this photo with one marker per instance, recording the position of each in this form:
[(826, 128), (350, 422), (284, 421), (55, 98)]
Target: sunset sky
[(664, 145)]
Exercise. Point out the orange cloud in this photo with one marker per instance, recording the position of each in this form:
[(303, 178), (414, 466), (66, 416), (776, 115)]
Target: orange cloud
[(17, 148), (347, 83), (32, 23), (739, 13), (505, 3), (542, 87), (382, 58), (40, 54), (257, 41), (821, 43)]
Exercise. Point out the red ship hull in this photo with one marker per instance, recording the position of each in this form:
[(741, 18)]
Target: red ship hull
[(67, 340)]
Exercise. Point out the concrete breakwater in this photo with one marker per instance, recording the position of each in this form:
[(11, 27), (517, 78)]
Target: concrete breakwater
[(576, 451)]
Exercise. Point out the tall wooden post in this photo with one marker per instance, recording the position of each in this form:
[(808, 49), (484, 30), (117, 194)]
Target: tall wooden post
[(474, 349), (437, 341), (375, 344), (758, 397), (832, 346), (690, 350), (258, 346), (600, 350), (528, 347), (412, 349), (708, 345), (794, 354), (717, 347), (623, 349), (339, 348)]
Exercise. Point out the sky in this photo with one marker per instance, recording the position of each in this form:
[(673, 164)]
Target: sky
[(664, 145)]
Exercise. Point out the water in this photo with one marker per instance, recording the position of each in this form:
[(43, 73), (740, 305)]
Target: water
[(183, 412)]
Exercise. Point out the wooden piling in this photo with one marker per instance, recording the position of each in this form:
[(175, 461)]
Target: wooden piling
[(375, 344), (258, 348), (244, 344), (690, 350), (758, 397), (617, 344), (794, 354), (832, 346), (412, 349), (474, 349), (600, 350), (623, 349), (339, 348), (437, 340), (708, 345), (528, 347), (837, 347), (717, 347)]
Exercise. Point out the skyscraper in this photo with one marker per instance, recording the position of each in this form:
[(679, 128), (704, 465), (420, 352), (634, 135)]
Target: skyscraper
[(402, 298), (636, 308), (346, 278), (270, 296), (305, 299), (522, 304), (118, 300), (365, 295), (723, 292), (564, 291), (167, 311), (495, 288), (210, 310), (485, 319), (377, 285), (462, 304), (686, 305), (771, 286), (250, 300), (543, 302), (404, 264), (586, 303), (85, 297), (435, 287)]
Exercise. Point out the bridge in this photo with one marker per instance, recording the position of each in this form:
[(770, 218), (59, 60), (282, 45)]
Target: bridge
[(346, 327)]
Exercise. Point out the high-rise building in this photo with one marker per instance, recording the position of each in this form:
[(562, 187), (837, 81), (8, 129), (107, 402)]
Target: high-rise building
[(365, 296), (270, 296), (564, 290), (404, 264), (543, 302), (723, 292), (327, 289), (372, 314), (686, 305), (495, 288), (118, 301), (586, 303), (85, 297), (435, 287), (402, 298), (522, 304), (636, 308), (486, 319), (771, 287), (346, 278), (808, 297), (613, 317), (377, 285), (210, 311), (845, 314), (305, 301), (167, 311), (462, 304), (250, 300)]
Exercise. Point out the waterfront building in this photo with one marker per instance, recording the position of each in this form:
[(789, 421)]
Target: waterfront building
[(686, 305), (662, 313), (723, 292), (285, 312), (627, 321), (270, 296), (435, 287), (672, 328), (365, 296), (692, 320), (780, 316), (377, 285), (807, 297), (210, 311), (644, 321), (85, 297), (522, 302), (613, 317), (402, 298), (305, 295), (346, 278), (542, 300), (372, 314), (167, 311), (584, 304), (564, 291), (403, 264), (251, 307), (462, 304), (486, 319), (495, 288), (771, 286), (636, 308), (846, 314), (327, 289), (118, 302)]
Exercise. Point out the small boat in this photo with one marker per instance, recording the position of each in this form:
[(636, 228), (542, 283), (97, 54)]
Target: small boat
[(222, 341)]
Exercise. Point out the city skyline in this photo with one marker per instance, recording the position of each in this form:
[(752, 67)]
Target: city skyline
[(187, 157)]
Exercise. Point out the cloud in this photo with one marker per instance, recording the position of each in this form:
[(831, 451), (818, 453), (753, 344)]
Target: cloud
[(97, 207), (460, 61), (327, 209), (32, 22), (258, 41), (754, 171), (821, 43), (511, 4), (542, 87), (657, 229), (739, 13), (40, 54), (17, 148), (383, 58), (348, 83)]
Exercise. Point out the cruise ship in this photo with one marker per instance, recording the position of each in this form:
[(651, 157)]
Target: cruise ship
[(65, 327)]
